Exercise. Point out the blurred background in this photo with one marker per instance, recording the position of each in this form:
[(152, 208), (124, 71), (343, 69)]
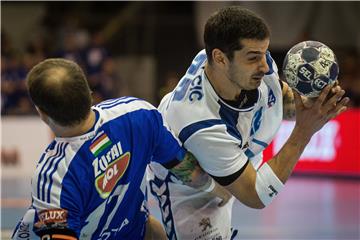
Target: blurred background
[(143, 49)]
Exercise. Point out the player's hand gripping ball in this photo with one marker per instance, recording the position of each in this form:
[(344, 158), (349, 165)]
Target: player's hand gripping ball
[(309, 66)]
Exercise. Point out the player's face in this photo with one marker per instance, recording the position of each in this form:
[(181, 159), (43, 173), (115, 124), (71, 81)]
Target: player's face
[(248, 67)]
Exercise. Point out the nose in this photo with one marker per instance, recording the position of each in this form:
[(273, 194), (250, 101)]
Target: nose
[(264, 67)]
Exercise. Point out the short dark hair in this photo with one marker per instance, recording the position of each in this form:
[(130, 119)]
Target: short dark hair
[(227, 27), (59, 88)]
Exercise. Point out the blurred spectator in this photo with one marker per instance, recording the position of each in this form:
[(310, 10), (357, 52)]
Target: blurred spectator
[(70, 50), (350, 76), (13, 89), (103, 82), (95, 54), (14, 67)]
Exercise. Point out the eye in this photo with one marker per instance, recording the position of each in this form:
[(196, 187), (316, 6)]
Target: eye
[(254, 58)]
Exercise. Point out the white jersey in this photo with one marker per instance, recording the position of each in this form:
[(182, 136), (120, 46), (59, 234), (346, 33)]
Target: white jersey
[(222, 138)]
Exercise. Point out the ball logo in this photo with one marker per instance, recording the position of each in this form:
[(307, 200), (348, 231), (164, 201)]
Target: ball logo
[(319, 84), (306, 73)]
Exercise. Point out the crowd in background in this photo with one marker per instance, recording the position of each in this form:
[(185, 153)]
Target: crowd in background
[(78, 45), (88, 48)]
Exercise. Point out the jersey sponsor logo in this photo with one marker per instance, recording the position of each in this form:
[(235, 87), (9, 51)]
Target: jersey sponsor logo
[(99, 144), (208, 231), (107, 179), (101, 164), (52, 217), (205, 223)]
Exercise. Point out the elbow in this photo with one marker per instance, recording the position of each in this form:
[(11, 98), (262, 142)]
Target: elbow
[(258, 206), (262, 206), (255, 204)]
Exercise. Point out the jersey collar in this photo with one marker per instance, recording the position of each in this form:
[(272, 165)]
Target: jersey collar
[(248, 99), (90, 134)]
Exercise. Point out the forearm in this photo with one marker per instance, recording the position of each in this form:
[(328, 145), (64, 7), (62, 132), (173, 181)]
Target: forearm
[(257, 189), (285, 160), (190, 173)]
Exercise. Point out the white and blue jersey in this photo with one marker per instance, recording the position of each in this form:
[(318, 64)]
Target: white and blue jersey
[(94, 184), (222, 137)]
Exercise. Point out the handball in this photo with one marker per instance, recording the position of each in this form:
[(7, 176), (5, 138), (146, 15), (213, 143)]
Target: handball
[(310, 66)]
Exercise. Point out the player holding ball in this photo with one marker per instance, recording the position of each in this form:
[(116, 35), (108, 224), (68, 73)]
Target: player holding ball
[(227, 109)]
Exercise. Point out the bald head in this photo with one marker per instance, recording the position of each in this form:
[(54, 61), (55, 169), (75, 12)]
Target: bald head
[(59, 88)]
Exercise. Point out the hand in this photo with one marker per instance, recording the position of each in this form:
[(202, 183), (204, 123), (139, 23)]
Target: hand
[(309, 101), (312, 117)]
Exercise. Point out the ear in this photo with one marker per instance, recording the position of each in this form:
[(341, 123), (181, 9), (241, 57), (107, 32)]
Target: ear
[(219, 57)]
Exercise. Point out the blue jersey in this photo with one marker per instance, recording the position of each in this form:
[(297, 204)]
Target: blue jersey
[(94, 184)]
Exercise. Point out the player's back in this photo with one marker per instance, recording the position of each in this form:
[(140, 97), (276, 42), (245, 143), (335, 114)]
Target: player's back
[(95, 181)]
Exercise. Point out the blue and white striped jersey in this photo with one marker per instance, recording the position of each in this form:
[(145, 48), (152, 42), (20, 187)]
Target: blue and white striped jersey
[(221, 136), (94, 184)]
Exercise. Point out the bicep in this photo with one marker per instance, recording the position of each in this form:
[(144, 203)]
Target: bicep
[(217, 152), (221, 156)]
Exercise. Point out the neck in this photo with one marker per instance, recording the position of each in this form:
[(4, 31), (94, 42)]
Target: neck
[(220, 81), (73, 131)]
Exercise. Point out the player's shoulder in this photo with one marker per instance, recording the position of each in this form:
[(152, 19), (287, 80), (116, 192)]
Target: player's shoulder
[(124, 104), (180, 113), (115, 108)]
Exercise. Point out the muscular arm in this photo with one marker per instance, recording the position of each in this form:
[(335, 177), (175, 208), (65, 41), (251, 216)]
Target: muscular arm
[(190, 172)]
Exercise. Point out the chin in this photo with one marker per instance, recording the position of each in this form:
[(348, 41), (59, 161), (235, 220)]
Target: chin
[(253, 86), (257, 84)]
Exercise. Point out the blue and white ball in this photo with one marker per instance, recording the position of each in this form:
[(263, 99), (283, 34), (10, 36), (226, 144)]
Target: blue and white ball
[(309, 66)]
